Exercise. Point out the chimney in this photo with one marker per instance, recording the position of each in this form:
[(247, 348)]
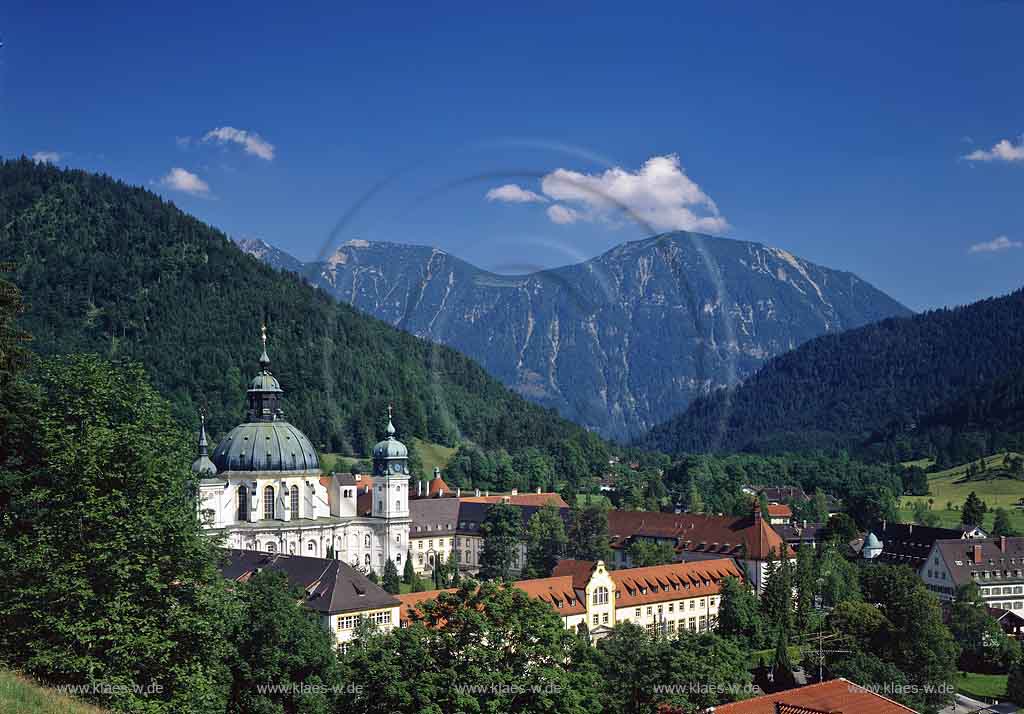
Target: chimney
[(476, 492), (437, 472), (538, 489), (458, 492), (1002, 543), (515, 492), (419, 488), (805, 524), (977, 554), (487, 493)]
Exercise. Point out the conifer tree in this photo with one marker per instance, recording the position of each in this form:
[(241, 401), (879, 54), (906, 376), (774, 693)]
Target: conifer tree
[(408, 572), (390, 581)]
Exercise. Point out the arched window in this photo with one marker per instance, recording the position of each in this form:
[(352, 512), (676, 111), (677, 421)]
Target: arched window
[(366, 541), (268, 503), (295, 501), (398, 505), (243, 503), (367, 559), (271, 547), (398, 558), (311, 547), (601, 596)]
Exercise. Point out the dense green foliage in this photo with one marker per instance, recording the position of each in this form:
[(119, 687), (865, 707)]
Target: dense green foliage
[(546, 542), (869, 491), (690, 671), (486, 649), (958, 368), (107, 578), (502, 532), (280, 645), (115, 270), (588, 533)]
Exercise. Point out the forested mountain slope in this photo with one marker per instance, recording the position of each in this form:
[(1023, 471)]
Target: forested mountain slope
[(617, 343), (870, 384), (114, 269)]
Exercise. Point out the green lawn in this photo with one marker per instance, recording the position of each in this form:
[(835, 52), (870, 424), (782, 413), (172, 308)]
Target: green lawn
[(988, 686), (431, 454), (20, 696), (586, 499), (951, 485)]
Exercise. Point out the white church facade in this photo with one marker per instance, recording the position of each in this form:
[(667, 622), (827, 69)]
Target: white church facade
[(263, 490)]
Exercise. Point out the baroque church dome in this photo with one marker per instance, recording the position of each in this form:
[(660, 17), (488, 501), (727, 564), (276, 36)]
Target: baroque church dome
[(266, 441), (390, 448)]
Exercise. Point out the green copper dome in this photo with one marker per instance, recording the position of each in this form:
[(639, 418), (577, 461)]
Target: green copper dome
[(266, 441), (390, 448), (265, 383), (266, 446)]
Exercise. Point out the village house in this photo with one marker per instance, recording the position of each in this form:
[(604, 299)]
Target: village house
[(662, 599), (910, 543), (337, 593), (441, 524), (750, 540), (995, 565)]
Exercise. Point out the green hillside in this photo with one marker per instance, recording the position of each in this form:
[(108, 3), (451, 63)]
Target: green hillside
[(116, 270), (20, 696), (997, 486), (941, 383)]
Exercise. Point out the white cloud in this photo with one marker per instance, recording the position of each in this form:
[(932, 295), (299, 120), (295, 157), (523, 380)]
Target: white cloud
[(995, 245), (46, 157), (181, 180), (252, 143), (563, 215), (511, 193), (659, 195), (1005, 150)]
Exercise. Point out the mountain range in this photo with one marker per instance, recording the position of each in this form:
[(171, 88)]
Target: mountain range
[(617, 343), (113, 269)]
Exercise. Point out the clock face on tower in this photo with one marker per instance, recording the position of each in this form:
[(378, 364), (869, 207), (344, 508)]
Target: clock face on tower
[(397, 468)]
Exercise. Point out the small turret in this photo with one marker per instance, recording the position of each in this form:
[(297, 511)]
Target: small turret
[(202, 464)]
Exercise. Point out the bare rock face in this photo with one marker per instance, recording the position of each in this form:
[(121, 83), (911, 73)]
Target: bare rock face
[(617, 343)]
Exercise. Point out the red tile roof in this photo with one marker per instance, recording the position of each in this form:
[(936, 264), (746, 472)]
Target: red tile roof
[(521, 499), (438, 487), (837, 696), (642, 586), (410, 600), (779, 510), (750, 537)]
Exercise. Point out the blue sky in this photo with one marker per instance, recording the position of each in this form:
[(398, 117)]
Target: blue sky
[(837, 131)]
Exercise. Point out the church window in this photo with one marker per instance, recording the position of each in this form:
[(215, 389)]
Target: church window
[(380, 505), (367, 560), (295, 501), (398, 558), (311, 547), (601, 596), (366, 541), (243, 503), (268, 503), (398, 505), (271, 547)]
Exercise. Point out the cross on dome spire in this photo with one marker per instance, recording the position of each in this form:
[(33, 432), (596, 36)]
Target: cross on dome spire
[(203, 443), (264, 358), (391, 426)]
